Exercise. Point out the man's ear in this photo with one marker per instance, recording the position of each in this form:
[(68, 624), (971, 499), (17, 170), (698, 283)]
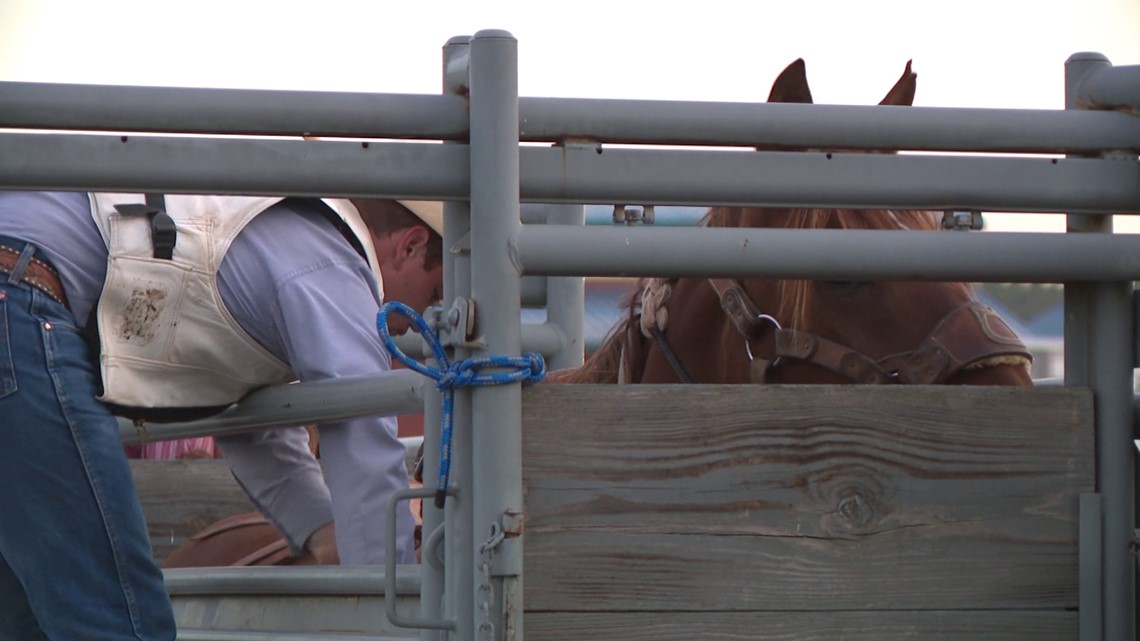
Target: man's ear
[(411, 241)]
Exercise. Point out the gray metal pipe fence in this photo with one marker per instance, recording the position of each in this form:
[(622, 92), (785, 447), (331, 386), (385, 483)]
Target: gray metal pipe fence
[(484, 170), (443, 117), (577, 174), (825, 254), (390, 393), (496, 445)]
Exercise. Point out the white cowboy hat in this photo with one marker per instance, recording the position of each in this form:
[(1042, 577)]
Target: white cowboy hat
[(429, 211)]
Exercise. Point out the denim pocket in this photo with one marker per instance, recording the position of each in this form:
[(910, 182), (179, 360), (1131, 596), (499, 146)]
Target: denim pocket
[(7, 371)]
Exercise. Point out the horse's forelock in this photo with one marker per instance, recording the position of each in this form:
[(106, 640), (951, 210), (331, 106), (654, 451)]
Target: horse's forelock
[(795, 295), (888, 219), (811, 218)]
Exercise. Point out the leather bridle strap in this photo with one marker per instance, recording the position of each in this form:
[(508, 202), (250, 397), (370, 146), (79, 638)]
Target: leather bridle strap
[(809, 348), (738, 306), (953, 345), (678, 369)]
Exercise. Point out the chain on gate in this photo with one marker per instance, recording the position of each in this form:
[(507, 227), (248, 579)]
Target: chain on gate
[(486, 592)]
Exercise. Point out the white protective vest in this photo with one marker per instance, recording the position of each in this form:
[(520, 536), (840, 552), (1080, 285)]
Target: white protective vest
[(167, 339)]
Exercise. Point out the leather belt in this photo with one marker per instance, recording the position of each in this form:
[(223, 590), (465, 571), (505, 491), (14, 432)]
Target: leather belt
[(38, 274)]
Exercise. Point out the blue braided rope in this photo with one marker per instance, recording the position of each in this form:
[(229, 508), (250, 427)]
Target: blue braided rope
[(528, 368)]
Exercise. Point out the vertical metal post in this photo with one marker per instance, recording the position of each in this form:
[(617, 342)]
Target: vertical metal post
[(456, 284), (495, 286), (566, 296), (1111, 380), (1099, 352), (1078, 301), (1090, 564)]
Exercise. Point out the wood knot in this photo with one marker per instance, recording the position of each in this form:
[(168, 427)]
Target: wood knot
[(856, 511)]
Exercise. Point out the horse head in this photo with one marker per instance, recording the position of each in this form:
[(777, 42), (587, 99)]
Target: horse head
[(794, 331)]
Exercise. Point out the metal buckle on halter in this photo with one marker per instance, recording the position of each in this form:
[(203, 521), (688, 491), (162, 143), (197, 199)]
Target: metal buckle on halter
[(748, 344)]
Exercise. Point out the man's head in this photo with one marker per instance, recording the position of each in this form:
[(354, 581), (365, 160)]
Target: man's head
[(410, 252)]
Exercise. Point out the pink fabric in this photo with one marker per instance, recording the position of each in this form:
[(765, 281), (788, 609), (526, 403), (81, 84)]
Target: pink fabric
[(201, 447)]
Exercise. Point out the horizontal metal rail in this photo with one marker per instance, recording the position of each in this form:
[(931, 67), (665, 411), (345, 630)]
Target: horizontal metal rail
[(823, 254), (232, 166), (186, 110), (444, 117), (575, 174), (290, 580), (391, 393), (386, 394), (826, 126), (192, 634), (909, 181)]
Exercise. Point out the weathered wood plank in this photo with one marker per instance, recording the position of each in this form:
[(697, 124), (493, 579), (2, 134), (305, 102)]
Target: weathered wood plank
[(181, 497), (1017, 625), (803, 498)]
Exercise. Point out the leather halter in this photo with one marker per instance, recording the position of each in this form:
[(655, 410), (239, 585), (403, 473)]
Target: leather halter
[(953, 345)]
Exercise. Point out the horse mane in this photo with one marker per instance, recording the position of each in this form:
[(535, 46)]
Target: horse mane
[(604, 364)]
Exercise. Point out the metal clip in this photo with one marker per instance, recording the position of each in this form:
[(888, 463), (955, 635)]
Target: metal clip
[(624, 214), (962, 220)]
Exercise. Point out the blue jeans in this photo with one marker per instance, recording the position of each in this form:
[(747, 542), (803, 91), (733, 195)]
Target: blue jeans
[(75, 558)]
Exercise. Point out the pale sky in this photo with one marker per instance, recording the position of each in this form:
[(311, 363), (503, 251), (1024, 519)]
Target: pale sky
[(967, 53)]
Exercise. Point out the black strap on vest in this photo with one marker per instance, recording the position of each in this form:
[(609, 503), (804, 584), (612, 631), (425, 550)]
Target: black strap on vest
[(163, 233), (338, 222)]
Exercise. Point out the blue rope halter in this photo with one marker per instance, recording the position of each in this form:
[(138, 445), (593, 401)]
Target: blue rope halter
[(529, 367)]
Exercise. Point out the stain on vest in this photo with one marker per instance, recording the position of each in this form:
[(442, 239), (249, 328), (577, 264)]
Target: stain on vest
[(141, 315)]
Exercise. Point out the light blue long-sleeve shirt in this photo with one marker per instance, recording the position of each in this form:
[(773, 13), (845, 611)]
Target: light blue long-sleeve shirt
[(295, 285)]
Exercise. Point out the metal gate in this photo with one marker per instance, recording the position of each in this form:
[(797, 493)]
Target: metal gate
[(499, 150)]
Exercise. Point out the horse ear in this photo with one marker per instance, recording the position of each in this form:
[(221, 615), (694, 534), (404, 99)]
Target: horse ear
[(903, 91), (791, 85)]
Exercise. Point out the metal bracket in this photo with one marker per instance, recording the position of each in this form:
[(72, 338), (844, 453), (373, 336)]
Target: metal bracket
[(962, 220), (456, 326), (390, 563), (508, 559), (508, 551), (462, 246), (623, 214)]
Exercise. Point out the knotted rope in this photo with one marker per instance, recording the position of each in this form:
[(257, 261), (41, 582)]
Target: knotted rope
[(529, 367), (654, 296)]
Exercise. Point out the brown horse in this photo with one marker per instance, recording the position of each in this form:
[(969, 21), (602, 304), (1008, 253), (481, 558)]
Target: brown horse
[(727, 331), (794, 331)]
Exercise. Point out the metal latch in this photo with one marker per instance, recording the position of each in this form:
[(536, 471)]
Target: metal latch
[(507, 547), (456, 325)]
